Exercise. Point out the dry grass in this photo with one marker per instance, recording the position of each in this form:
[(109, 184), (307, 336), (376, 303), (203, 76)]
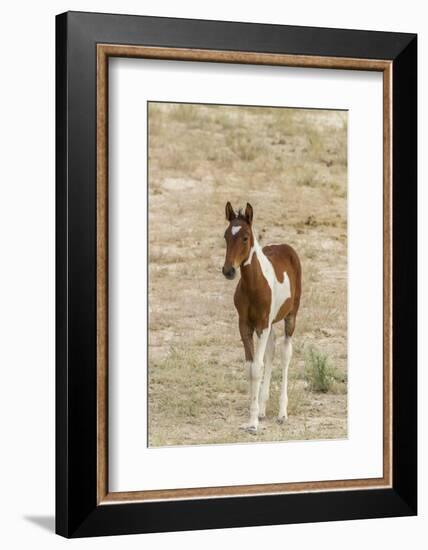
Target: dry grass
[(291, 165)]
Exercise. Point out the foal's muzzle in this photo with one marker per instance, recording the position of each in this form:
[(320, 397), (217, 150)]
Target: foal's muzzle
[(229, 273)]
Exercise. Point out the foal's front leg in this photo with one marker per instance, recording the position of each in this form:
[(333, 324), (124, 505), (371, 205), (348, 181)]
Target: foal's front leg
[(247, 339), (256, 372)]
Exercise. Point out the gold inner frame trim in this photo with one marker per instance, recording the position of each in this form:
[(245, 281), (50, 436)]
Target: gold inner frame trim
[(104, 51)]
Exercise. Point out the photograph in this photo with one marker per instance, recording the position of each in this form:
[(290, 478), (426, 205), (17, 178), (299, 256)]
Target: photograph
[(247, 274)]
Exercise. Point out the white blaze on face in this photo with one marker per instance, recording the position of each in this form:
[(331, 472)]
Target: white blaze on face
[(236, 229)]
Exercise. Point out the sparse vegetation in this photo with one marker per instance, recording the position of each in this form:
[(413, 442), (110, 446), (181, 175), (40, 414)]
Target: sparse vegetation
[(291, 165), (319, 374), (244, 146), (297, 398)]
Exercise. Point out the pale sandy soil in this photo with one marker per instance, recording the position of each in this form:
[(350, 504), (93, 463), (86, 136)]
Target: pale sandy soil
[(291, 165)]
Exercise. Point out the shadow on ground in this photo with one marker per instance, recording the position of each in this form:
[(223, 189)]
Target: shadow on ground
[(45, 522)]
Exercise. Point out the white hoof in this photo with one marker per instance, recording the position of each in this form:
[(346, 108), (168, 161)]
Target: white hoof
[(282, 419), (249, 428)]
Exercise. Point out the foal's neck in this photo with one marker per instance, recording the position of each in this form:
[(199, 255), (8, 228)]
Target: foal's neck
[(250, 269)]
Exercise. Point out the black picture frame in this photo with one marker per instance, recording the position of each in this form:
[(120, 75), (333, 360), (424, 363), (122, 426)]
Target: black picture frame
[(77, 511)]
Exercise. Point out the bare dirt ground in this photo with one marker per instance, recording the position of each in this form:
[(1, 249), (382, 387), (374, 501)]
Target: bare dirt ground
[(291, 165)]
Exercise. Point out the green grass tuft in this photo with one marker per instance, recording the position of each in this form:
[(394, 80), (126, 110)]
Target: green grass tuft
[(319, 375)]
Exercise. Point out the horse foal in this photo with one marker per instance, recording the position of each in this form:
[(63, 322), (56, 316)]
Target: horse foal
[(267, 292)]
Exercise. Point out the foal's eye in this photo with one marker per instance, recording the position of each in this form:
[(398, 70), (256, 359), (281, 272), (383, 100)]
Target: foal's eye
[(245, 239)]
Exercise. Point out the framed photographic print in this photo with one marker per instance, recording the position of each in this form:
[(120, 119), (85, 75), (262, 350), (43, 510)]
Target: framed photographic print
[(236, 274)]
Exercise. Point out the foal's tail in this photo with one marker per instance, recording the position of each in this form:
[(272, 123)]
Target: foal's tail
[(290, 319)]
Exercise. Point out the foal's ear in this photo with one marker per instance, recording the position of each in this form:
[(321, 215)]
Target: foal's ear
[(249, 213), (230, 214)]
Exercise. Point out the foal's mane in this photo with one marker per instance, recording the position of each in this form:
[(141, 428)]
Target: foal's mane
[(240, 215)]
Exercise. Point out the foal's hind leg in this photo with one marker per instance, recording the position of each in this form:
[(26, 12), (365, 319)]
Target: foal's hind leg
[(264, 390), (286, 353)]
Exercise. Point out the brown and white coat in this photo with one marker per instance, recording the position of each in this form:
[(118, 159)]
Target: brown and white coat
[(268, 292)]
